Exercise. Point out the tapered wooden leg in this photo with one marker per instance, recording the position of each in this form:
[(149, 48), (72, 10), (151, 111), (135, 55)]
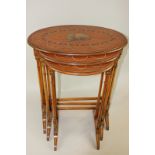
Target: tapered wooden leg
[(102, 130), (107, 117), (45, 83), (99, 96), (103, 116), (54, 110), (102, 108), (49, 109), (43, 104), (97, 112), (49, 125), (107, 121), (112, 76), (55, 134), (100, 116), (104, 111), (97, 139)]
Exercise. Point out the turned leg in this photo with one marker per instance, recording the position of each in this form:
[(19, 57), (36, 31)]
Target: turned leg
[(54, 110), (43, 104)]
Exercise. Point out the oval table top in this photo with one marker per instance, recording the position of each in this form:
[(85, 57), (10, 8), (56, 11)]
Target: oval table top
[(77, 40)]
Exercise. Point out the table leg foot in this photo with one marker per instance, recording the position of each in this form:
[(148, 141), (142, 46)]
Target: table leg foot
[(97, 139), (48, 138), (101, 132), (48, 133), (55, 142), (107, 128), (44, 126), (49, 125), (55, 125), (55, 148), (107, 121)]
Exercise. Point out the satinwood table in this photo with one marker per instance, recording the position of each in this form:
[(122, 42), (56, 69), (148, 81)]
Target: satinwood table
[(76, 50)]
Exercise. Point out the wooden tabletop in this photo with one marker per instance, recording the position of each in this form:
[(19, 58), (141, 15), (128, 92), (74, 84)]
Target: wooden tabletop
[(77, 40)]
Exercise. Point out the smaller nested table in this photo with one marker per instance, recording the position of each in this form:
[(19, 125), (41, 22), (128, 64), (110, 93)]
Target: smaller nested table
[(76, 50)]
